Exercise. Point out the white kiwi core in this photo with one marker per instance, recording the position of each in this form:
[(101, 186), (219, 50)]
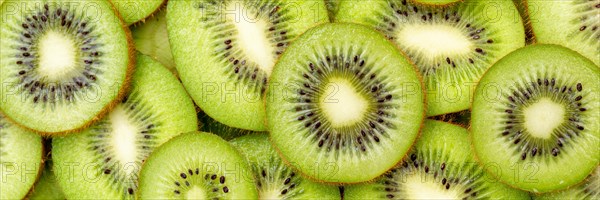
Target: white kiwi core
[(433, 41), (252, 37), (123, 138), (342, 104), (542, 117), (57, 56), (196, 193), (424, 187)]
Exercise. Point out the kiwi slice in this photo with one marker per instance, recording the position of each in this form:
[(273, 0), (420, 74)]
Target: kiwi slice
[(20, 159), (346, 106), (47, 186), (210, 125), (63, 65), (274, 179), (570, 23), (135, 10), (104, 160), (536, 117), (589, 189), (196, 165), (451, 45), (436, 2), (225, 51), (440, 166), (151, 39)]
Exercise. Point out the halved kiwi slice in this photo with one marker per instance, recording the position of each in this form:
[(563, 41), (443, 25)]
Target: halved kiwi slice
[(440, 166), (151, 39), (589, 189), (104, 160), (451, 45), (225, 51), (196, 165), (20, 159), (135, 10), (536, 118), (63, 64), (344, 104), (574, 24), (274, 179)]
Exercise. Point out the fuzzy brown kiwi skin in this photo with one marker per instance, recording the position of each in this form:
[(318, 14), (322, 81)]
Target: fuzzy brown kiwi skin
[(422, 124), (123, 90)]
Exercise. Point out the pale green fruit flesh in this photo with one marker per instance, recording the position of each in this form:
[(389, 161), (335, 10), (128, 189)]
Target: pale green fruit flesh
[(132, 11)]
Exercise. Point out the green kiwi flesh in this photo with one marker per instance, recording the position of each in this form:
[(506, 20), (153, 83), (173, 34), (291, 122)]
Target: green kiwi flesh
[(196, 165), (20, 159), (436, 2), (225, 55), (104, 160), (344, 105), (274, 179), (536, 118), (570, 23), (133, 11), (47, 186), (62, 66), (589, 189), (150, 38), (210, 125), (452, 45), (440, 166)]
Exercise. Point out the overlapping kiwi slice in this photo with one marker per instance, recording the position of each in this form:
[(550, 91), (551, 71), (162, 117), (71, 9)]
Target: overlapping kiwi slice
[(451, 45), (536, 118), (104, 160), (274, 179), (344, 104), (440, 166), (589, 189), (196, 165), (150, 38), (225, 51), (571, 23), (135, 10), (20, 159), (63, 64)]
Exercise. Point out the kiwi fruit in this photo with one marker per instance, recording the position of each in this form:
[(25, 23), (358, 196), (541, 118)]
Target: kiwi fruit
[(436, 2), (440, 166), (20, 159), (63, 65), (536, 118), (225, 51), (589, 189), (210, 125), (346, 106), (274, 179), (133, 11), (47, 186), (452, 45), (150, 38), (104, 160), (196, 165), (570, 23)]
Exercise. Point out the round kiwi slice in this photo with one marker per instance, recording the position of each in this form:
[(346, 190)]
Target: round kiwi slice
[(589, 189), (451, 45), (536, 118), (570, 23), (344, 104), (210, 125), (196, 165), (274, 179), (225, 51), (440, 166), (63, 65), (20, 159), (135, 10), (104, 160), (150, 38)]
